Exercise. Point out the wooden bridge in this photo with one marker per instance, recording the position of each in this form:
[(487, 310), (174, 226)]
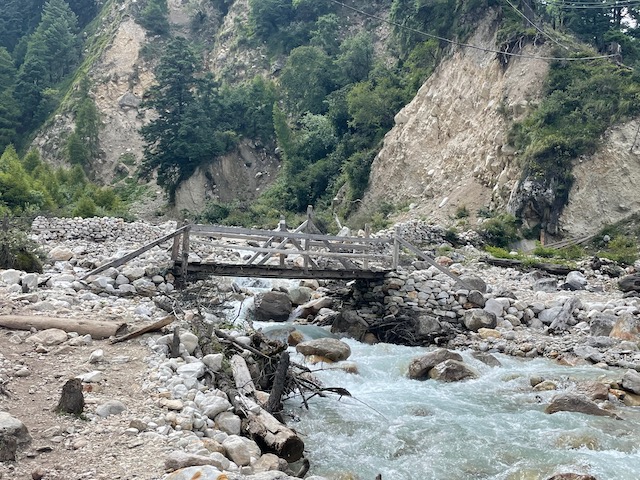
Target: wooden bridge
[(300, 253)]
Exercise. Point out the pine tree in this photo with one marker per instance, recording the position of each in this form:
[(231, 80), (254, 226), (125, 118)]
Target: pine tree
[(9, 109), (181, 137), (53, 51)]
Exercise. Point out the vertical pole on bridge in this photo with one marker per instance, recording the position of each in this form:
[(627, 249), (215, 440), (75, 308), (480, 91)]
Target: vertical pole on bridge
[(367, 235), (185, 253), (306, 240), (282, 227), (396, 248)]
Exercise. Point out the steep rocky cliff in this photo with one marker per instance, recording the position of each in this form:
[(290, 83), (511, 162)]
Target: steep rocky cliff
[(449, 147)]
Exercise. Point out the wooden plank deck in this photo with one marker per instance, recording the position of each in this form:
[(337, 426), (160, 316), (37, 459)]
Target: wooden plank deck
[(202, 270)]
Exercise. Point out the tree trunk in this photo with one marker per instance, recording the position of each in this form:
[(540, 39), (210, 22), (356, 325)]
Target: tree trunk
[(98, 330)]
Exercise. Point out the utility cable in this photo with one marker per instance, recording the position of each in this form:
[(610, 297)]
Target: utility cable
[(467, 45), (536, 26)]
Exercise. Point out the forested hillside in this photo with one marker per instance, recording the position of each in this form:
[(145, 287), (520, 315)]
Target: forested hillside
[(316, 84)]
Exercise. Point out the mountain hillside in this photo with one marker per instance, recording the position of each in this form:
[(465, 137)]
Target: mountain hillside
[(241, 110)]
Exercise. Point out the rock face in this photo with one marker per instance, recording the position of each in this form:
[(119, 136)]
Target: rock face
[(456, 120)]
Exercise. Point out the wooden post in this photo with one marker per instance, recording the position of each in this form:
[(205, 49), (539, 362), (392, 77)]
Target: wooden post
[(396, 248), (282, 227), (185, 255), (175, 248), (306, 240), (367, 234)]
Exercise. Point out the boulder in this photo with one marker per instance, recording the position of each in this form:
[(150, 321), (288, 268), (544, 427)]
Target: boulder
[(476, 318), (572, 476), (180, 459), (576, 280), (275, 306), (419, 367), (565, 318), (50, 336), (492, 305), (300, 295), (10, 277), (601, 324), (487, 359), (269, 462), (331, 348), (60, 254), (476, 298), (112, 407), (452, 371), (547, 284), (572, 402), (630, 283), (429, 326), (350, 323), (212, 405), (10, 426), (204, 472), (474, 282), (228, 422), (631, 382), (241, 450), (627, 327), (594, 390)]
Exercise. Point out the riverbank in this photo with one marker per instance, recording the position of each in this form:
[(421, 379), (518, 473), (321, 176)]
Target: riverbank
[(163, 417)]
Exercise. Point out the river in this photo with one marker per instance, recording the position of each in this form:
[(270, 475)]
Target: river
[(493, 427)]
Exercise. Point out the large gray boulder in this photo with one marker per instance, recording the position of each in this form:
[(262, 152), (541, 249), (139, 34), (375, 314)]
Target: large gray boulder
[(576, 280), (601, 324), (476, 318), (329, 348), (630, 283), (631, 382), (474, 282), (572, 402), (419, 367), (272, 305), (565, 318), (452, 371), (10, 426)]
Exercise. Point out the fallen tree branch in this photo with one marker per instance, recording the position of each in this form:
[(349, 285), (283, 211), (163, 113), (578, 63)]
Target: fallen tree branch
[(149, 328), (513, 263)]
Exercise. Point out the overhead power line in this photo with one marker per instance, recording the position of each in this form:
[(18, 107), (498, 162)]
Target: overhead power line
[(536, 26), (590, 5), (466, 45)]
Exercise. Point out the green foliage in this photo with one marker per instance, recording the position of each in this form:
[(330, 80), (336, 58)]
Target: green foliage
[(357, 170), (499, 252), (355, 60), (155, 17), (307, 78), (53, 52), (185, 134), (500, 230), (462, 212), (16, 249), (85, 208), (584, 99), (622, 249)]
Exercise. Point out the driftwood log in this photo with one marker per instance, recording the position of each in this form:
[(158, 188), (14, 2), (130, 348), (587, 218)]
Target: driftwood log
[(98, 330), (510, 262), (266, 430)]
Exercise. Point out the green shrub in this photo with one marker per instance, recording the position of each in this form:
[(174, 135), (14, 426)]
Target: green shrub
[(17, 250), (462, 212), (498, 252), (622, 249), (85, 208), (500, 230)]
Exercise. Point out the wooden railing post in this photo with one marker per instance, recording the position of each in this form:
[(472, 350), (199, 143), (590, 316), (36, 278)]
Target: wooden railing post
[(396, 248), (306, 240), (367, 234), (185, 253), (282, 227)]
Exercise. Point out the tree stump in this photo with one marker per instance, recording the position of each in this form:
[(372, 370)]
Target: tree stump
[(72, 398)]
